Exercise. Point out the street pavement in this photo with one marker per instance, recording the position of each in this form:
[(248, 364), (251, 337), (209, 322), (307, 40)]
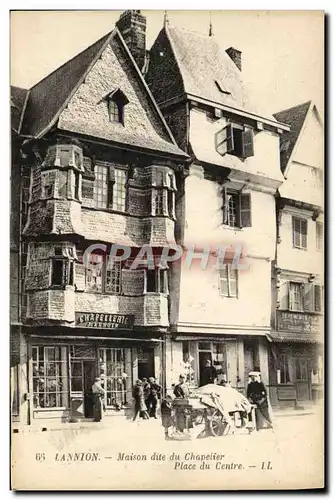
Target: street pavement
[(127, 455)]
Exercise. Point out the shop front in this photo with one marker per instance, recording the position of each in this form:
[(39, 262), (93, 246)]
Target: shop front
[(63, 366), (296, 373), (190, 355)]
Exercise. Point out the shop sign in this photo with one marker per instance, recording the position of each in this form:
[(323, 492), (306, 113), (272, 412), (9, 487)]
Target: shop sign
[(105, 321), (297, 322)]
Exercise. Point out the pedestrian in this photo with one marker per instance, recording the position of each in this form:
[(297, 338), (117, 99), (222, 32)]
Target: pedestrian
[(209, 375), (166, 415), (181, 389), (154, 396), (98, 397), (257, 395), (147, 390), (138, 396)]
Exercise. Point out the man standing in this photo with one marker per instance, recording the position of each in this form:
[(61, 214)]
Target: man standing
[(209, 375), (257, 394), (154, 396)]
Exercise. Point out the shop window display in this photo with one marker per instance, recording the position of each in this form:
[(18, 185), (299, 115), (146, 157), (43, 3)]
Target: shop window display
[(50, 383)]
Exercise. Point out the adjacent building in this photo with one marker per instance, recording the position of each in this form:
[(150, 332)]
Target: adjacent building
[(94, 163), (296, 347), (227, 199)]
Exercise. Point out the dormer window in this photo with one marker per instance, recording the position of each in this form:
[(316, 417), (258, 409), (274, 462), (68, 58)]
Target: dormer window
[(235, 140), (117, 101), (115, 112)]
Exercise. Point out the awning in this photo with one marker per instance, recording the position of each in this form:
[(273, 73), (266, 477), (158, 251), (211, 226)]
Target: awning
[(294, 337)]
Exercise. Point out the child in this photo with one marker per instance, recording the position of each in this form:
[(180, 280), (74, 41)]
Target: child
[(166, 415)]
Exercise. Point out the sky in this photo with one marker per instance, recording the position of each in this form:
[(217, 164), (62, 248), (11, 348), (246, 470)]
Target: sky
[(282, 51)]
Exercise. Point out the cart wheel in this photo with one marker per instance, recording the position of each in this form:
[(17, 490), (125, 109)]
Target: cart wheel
[(217, 424)]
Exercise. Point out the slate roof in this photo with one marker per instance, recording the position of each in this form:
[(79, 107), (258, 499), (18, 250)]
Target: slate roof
[(18, 98), (202, 63), (295, 117), (50, 96)]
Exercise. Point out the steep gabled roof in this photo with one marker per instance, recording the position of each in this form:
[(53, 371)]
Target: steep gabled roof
[(18, 100), (295, 117), (49, 95), (48, 98), (207, 71)]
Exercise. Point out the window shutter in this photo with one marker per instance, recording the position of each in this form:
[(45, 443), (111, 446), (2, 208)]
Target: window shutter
[(308, 295), (247, 143), (233, 278), (294, 232), (225, 205), (245, 210), (224, 140), (303, 224), (284, 296), (223, 280), (290, 297), (317, 298)]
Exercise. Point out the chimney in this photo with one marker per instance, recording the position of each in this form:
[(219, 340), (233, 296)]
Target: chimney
[(132, 25), (235, 55)]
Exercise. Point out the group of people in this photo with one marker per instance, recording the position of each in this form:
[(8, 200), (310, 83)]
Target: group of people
[(146, 394)]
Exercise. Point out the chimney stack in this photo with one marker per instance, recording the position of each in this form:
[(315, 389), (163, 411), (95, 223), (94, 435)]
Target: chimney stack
[(132, 25), (235, 55)]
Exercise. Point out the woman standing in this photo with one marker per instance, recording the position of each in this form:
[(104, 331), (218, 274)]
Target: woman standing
[(138, 396), (98, 396)]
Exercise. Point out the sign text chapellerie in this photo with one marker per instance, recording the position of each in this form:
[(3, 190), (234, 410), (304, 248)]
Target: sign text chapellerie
[(102, 320)]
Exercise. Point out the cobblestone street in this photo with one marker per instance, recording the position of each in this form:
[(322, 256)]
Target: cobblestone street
[(128, 455)]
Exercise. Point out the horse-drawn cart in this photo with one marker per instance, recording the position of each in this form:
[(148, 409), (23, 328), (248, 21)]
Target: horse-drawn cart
[(213, 410)]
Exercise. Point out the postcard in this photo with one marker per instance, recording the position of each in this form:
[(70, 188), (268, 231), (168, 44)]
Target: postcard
[(166, 250)]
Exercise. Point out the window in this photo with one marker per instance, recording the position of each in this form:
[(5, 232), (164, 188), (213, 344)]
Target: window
[(228, 281), (319, 236), (159, 202), (283, 370), (101, 186), (171, 204), (189, 356), (119, 190), (116, 380), (299, 232), (156, 281), (76, 185), (103, 275), (62, 272), (115, 111), (305, 297), (113, 276), (296, 297), (50, 382), (236, 208), (235, 140), (48, 181), (94, 274), (110, 188), (301, 367)]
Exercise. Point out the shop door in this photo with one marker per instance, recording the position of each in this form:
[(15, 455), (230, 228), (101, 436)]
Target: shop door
[(203, 356), (146, 362), (303, 378), (89, 374)]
